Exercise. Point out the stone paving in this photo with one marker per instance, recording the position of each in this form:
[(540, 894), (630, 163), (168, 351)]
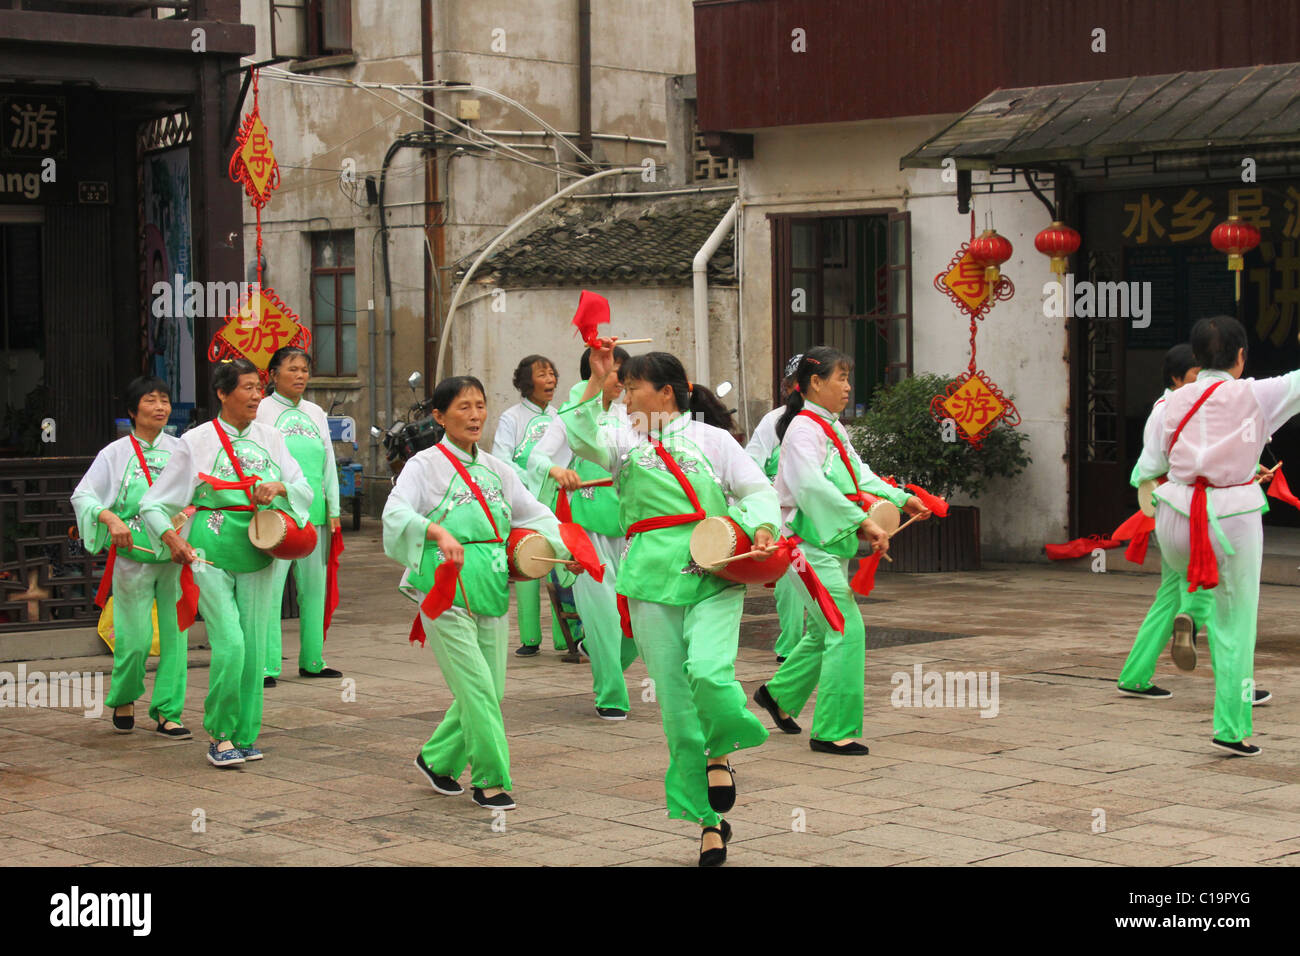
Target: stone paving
[(1068, 773)]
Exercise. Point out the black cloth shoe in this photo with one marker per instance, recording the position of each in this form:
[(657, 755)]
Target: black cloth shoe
[(447, 786), (1237, 748), (722, 798), (1183, 649), (852, 748), (124, 723), (718, 855), (764, 700), (780, 659), (526, 650), (1152, 693), (269, 682), (611, 713), (177, 733), (501, 801), (1261, 697), (324, 672)]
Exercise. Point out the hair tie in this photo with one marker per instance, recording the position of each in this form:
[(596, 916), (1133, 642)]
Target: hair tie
[(689, 388), (797, 388), (813, 360)]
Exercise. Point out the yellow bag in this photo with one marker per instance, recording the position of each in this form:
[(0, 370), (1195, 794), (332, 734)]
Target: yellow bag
[(106, 626)]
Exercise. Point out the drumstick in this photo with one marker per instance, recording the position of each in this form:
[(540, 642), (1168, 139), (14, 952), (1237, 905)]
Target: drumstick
[(903, 525), (140, 547), (1268, 472), (553, 560), (595, 481), (633, 341), (737, 557)]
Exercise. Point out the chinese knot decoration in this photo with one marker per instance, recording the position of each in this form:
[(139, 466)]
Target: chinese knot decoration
[(1236, 237), (974, 282), (260, 322), (1059, 242)]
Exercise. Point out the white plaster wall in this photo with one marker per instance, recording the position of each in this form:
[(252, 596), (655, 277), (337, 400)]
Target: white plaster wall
[(855, 166)]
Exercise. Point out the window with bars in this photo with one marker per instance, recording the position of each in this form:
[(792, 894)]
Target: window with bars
[(844, 280), (333, 304), (311, 28)]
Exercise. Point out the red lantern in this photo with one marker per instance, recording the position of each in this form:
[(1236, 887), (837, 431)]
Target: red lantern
[(1236, 237), (990, 250), (1060, 242)]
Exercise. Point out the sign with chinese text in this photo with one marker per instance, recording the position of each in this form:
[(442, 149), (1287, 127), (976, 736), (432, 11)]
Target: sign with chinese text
[(975, 405), (34, 126), (253, 163), (964, 283), (257, 328)]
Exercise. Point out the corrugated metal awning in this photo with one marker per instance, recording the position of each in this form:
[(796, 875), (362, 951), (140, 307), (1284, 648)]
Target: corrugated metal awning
[(1209, 112)]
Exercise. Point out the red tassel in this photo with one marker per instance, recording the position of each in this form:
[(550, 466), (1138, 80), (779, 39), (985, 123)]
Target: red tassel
[(332, 578), (1079, 547), (443, 593), (831, 611), (417, 631), (1137, 548), (562, 509), (583, 551), (865, 579), (1202, 566), (106, 582), (593, 311), (933, 502), (1279, 489), (625, 617), (187, 608)]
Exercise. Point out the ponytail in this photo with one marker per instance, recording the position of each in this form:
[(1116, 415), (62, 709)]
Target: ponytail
[(663, 368), (820, 361), (705, 406)]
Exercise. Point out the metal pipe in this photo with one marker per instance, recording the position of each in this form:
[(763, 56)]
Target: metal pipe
[(518, 221), (618, 137), (738, 253), (700, 284), (658, 192), (584, 76)]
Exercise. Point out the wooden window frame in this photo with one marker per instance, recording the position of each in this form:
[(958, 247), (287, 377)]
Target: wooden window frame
[(316, 238)]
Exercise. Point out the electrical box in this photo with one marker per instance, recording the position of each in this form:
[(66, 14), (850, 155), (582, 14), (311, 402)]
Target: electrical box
[(467, 109)]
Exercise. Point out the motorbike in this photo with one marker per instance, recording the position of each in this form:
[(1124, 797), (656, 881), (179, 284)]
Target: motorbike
[(412, 433)]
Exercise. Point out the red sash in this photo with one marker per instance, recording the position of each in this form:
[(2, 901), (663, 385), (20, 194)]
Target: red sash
[(106, 582)]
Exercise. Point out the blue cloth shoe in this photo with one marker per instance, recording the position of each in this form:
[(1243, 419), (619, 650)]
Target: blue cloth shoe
[(225, 758), (250, 753)]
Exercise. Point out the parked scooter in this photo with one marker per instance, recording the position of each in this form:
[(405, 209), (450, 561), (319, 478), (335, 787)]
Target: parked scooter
[(412, 433)]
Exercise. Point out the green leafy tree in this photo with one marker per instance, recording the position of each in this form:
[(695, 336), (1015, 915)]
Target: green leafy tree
[(899, 437)]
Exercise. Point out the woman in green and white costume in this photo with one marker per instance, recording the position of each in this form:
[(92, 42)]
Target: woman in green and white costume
[(107, 505), (672, 470), (820, 504), (765, 448), (595, 510), (234, 591), (519, 429), (447, 520), (307, 434)]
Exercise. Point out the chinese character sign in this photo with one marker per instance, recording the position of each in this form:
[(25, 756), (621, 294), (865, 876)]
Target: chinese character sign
[(256, 328), (254, 162), (975, 405)]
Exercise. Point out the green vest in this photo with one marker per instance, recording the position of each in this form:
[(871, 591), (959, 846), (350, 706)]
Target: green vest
[(127, 503), (533, 433), (223, 535), (308, 449), (484, 577), (838, 475)]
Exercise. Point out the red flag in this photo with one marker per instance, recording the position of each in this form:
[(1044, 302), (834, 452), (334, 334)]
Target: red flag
[(106, 582), (865, 579), (583, 551), (593, 311), (834, 617), (933, 502), (1280, 490), (1079, 547), (187, 608), (1202, 565), (332, 578), (440, 597)]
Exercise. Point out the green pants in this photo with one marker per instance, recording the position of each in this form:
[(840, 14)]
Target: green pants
[(136, 587), (471, 651), (528, 602), (690, 652), (309, 576), (791, 614), (1233, 619), (1157, 626), (832, 663), (611, 653), (236, 609)]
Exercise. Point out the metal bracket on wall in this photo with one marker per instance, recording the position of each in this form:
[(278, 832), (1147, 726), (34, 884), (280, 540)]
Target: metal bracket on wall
[(247, 70)]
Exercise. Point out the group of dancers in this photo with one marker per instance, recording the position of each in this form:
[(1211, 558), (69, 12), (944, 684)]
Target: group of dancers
[(1202, 445), (174, 514), (616, 481)]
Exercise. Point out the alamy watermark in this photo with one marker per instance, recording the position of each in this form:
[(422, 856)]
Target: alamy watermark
[(213, 300), (949, 689), (84, 691), (1098, 300)]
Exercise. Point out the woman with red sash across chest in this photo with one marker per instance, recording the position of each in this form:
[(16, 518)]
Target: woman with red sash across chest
[(227, 469), (447, 520), (673, 465), (824, 489)]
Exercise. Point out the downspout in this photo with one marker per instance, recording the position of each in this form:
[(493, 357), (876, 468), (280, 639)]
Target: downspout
[(700, 270), (584, 76), (388, 286), (433, 231)]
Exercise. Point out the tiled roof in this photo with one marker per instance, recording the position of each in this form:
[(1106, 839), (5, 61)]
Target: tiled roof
[(628, 241)]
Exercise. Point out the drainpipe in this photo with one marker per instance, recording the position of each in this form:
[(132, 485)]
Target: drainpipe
[(584, 76), (433, 213), (700, 270)]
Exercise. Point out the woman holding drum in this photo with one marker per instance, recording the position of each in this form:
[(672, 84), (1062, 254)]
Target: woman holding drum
[(307, 435), (227, 469), (107, 505), (672, 469), (824, 490), (449, 521)]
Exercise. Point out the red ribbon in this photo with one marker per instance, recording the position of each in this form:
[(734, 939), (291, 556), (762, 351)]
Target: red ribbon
[(1079, 547), (583, 551), (332, 579), (933, 502), (834, 616), (187, 608), (865, 579), (1202, 566), (1137, 548), (625, 616), (106, 582)]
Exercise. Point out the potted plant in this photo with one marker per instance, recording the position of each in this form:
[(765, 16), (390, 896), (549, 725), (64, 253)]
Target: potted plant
[(899, 438)]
